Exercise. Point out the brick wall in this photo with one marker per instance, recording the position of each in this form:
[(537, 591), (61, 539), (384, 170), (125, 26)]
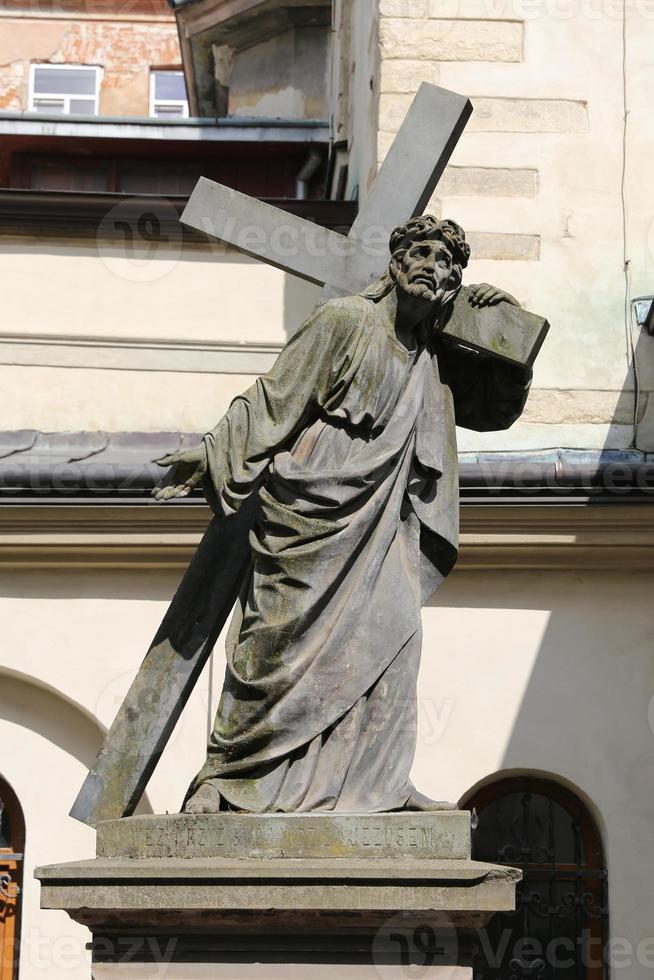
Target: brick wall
[(125, 48)]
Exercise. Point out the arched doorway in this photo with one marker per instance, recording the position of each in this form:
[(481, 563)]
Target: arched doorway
[(12, 848), (559, 928)]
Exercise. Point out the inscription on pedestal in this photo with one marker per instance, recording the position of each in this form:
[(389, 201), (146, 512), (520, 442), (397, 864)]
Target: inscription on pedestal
[(421, 835)]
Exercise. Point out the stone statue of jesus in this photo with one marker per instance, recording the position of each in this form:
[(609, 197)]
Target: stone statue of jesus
[(349, 446)]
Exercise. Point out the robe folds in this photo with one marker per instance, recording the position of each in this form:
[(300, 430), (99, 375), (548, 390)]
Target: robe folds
[(349, 446)]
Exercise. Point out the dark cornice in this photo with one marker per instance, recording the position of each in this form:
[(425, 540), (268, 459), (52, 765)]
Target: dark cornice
[(26, 212), (104, 466)]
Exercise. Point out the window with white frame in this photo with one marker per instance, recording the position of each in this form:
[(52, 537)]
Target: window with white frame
[(65, 89), (168, 94)]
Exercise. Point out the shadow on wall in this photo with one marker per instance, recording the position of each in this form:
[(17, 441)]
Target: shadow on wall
[(586, 718), (592, 680), (54, 718), (585, 708)]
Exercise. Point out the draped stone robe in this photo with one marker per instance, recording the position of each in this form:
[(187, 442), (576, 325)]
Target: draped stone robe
[(349, 444)]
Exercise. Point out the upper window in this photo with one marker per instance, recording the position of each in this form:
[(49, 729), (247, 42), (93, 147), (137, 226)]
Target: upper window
[(168, 94), (65, 89)]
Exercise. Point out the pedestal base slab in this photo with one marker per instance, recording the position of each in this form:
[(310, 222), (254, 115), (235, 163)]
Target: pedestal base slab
[(238, 888)]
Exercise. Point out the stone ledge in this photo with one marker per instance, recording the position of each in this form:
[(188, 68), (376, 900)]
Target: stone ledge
[(178, 871), (281, 872), (497, 535), (226, 897)]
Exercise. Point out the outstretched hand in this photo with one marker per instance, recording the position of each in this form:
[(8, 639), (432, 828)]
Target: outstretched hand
[(186, 469), (482, 294)]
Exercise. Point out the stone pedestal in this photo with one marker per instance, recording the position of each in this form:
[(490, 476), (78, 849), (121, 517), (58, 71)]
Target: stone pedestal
[(247, 896)]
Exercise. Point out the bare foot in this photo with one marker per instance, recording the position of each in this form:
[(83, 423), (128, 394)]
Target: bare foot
[(206, 800), (418, 801)]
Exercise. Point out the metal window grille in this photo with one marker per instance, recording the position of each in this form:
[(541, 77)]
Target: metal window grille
[(559, 929), (12, 843)]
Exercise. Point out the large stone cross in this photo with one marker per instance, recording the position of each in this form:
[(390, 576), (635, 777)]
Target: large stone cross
[(345, 265), (404, 185)]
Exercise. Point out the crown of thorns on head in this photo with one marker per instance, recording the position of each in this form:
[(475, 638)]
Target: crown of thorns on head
[(428, 228)]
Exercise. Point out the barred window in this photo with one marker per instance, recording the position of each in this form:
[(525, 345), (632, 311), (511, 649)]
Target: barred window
[(12, 846), (559, 929)]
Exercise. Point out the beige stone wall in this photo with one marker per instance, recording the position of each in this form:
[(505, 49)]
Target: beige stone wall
[(545, 671), (537, 181), (549, 673), (72, 292), (124, 46), (62, 680)]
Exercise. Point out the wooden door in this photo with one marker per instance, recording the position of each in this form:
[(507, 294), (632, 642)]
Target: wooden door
[(12, 842)]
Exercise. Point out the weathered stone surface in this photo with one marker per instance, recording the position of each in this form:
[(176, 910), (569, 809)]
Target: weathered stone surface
[(488, 182), (215, 896), (498, 245), (392, 110), (407, 75), (404, 8), (405, 836), (485, 9), (495, 115), (251, 897), (451, 40), (513, 333), (558, 407), (499, 115), (529, 436), (296, 871)]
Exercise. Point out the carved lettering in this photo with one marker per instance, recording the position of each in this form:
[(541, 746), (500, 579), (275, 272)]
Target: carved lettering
[(180, 839)]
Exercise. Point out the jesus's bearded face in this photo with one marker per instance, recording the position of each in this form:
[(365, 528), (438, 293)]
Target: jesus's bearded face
[(426, 270)]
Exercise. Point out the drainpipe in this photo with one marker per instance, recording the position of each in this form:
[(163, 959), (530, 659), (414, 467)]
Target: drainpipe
[(309, 170)]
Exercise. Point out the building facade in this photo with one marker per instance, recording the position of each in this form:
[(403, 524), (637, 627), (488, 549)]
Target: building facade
[(124, 336)]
